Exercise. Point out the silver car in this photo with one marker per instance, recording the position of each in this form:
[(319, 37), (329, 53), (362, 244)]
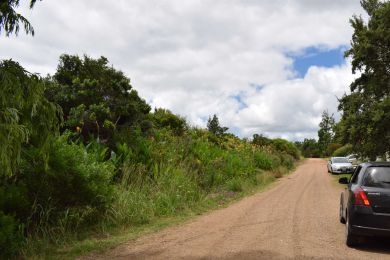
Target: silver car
[(340, 165), (352, 158)]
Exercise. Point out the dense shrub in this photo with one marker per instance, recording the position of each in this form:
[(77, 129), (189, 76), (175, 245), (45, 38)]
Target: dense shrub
[(263, 161), (164, 118), (74, 178), (343, 151), (10, 236), (69, 193), (282, 145)]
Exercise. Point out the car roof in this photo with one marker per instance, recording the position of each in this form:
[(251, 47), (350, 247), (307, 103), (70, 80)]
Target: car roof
[(339, 157), (379, 164)]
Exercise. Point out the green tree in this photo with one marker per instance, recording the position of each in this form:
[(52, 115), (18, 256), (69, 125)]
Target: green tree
[(26, 116), (365, 119), (95, 97), (325, 133), (163, 118), (10, 19), (309, 148), (214, 127), (261, 140)]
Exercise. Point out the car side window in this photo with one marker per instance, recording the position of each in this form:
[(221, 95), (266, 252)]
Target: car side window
[(354, 177)]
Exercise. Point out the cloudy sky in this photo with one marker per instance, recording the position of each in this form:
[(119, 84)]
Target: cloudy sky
[(267, 67)]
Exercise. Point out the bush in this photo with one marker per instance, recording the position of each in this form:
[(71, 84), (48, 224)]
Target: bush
[(74, 185), (343, 151), (262, 160), (235, 185), (282, 145), (11, 238)]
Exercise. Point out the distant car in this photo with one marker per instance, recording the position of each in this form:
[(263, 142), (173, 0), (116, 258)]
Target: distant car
[(339, 165), (365, 202), (352, 158)]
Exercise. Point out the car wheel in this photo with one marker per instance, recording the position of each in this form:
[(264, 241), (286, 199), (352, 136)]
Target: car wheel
[(342, 219), (351, 239)]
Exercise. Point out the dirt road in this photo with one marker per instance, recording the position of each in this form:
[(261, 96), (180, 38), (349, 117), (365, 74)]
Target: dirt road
[(296, 219)]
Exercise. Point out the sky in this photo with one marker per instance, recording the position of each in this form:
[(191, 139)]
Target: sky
[(265, 67)]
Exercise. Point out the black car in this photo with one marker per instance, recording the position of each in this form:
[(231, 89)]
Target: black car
[(365, 203)]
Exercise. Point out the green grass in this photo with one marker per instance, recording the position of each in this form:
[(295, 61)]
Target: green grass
[(100, 242), (336, 178), (158, 182)]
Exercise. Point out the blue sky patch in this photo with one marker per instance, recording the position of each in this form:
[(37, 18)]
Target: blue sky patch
[(314, 56), (239, 100)]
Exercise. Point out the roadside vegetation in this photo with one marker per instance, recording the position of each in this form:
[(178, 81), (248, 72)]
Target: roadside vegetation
[(83, 155), (364, 127)]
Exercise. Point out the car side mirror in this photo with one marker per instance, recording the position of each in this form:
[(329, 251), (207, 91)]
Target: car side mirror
[(343, 180)]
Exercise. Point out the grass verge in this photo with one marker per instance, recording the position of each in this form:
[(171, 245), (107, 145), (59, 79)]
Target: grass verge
[(99, 243)]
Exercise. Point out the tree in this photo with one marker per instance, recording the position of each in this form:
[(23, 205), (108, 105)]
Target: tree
[(214, 127), (95, 97), (365, 119), (309, 148), (325, 133), (261, 140), (26, 116), (10, 19), (163, 118)]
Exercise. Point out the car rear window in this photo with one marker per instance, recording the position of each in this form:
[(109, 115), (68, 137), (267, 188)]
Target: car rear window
[(340, 160), (377, 177)]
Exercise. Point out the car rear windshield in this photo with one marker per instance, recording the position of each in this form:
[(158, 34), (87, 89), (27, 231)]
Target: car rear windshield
[(377, 177), (340, 160)]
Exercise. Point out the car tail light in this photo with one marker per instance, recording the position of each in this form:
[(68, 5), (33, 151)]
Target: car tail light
[(361, 197)]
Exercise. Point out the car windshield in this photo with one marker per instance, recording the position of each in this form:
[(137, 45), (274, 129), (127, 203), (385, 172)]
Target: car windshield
[(340, 160), (377, 177)]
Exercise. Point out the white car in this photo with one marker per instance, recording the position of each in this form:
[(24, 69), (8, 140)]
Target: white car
[(352, 158), (340, 165)]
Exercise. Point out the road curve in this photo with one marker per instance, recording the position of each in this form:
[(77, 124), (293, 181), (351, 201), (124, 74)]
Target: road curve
[(296, 219)]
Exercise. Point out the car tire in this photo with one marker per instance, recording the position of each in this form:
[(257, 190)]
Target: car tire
[(351, 239), (341, 217)]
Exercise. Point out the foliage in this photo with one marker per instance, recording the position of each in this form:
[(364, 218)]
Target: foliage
[(214, 127), (27, 118), (285, 146), (261, 140), (10, 236), (310, 149), (343, 151), (333, 147), (325, 133), (95, 97), (153, 165), (163, 118), (365, 120), (10, 19)]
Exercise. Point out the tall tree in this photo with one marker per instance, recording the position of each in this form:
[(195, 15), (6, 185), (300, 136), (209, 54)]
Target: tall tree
[(214, 127), (26, 116), (10, 19), (95, 97), (325, 133), (366, 111)]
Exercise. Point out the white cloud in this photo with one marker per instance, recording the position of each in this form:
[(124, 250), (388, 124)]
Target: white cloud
[(193, 56), (293, 108)]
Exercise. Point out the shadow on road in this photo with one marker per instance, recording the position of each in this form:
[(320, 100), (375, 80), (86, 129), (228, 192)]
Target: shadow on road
[(375, 245)]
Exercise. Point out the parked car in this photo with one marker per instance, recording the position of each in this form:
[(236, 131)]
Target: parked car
[(365, 202), (339, 165), (352, 158)]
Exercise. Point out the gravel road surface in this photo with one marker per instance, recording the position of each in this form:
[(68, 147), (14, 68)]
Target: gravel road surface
[(295, 219)]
